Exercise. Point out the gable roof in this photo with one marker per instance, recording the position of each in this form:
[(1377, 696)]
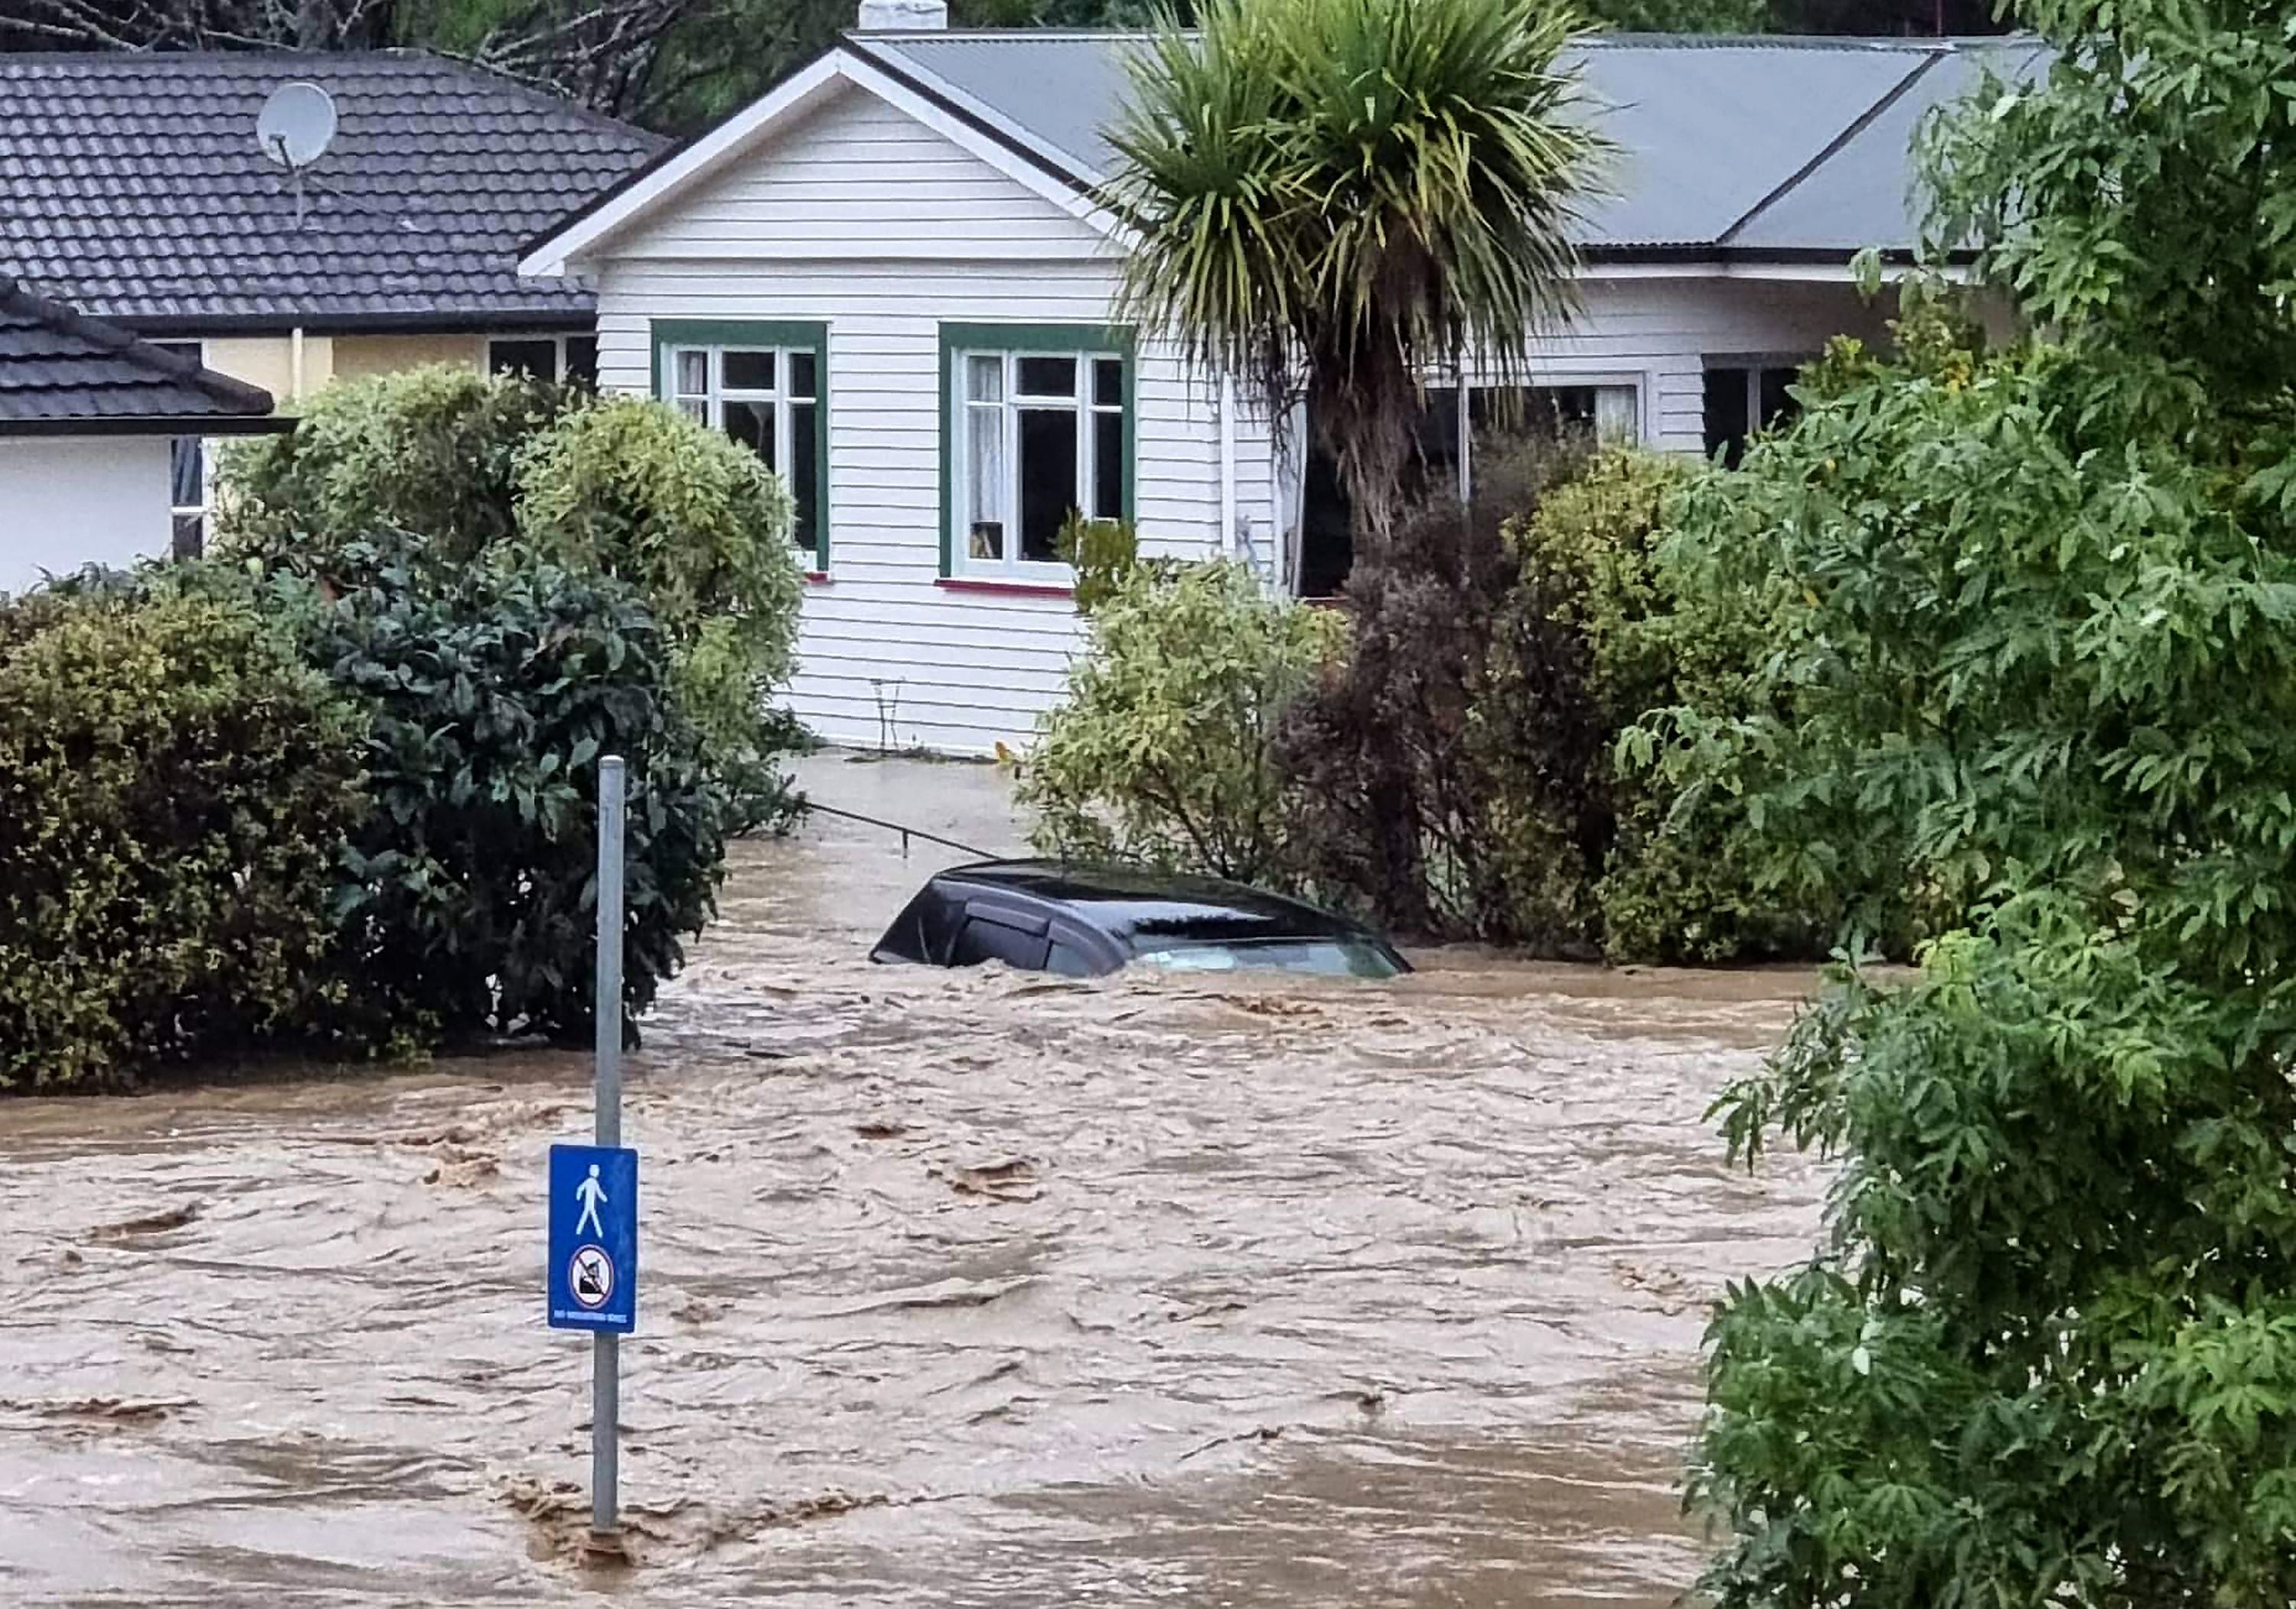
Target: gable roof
[(131, 186), (63, 373), (1764, 148)]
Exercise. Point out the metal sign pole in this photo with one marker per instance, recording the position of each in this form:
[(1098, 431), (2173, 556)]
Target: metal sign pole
[(606, 1383)]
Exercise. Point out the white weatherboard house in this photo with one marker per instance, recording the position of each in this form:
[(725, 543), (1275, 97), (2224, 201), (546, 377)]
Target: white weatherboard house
[(889, 275)]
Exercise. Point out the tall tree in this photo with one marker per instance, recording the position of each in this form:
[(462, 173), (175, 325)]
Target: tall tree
[(2038, 639), (1334, 198)]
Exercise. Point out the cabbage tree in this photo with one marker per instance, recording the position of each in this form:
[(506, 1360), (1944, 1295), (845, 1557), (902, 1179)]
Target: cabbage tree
[(1334, 199)]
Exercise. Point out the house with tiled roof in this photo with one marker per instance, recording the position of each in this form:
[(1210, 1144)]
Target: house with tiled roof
[(892, 276), (133, 189), (88, 414)]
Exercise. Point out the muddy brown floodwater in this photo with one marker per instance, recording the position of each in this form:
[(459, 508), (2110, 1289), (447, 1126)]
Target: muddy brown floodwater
[(962, 1289)]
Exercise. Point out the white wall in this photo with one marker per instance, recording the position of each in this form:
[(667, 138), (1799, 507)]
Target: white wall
[(862, 219), (66, 501)]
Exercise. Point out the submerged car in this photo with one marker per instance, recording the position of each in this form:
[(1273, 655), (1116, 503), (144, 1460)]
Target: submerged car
[(1083, 921)]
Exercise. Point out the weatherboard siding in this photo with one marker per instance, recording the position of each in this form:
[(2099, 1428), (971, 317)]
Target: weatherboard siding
[(883, 231)]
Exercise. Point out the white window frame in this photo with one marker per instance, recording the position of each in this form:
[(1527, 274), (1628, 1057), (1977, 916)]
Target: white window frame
[(1011, 404), (203, 510), (1636, 382), (708, 405)]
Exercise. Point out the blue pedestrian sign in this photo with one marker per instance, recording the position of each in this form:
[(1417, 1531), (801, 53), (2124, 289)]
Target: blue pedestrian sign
[(593, 1238)]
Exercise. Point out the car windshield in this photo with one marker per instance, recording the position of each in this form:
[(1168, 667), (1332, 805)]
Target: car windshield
[(1331, 957)]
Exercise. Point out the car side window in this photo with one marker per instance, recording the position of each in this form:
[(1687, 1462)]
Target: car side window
[(1068, 960), (983, 938)]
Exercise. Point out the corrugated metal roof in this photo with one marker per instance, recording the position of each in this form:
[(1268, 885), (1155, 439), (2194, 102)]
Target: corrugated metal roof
[(58, 367), (1716, 135), (1862, 193), (131, 187)]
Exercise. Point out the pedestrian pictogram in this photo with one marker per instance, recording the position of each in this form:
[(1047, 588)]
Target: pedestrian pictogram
[(593, 1238), (590, 1193)]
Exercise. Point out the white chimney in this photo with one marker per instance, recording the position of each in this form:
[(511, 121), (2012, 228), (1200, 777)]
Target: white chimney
[(903, 16)]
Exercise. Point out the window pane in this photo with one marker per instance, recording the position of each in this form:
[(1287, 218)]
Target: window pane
[(1048, 377), (1108, 381), (984, 379), (692, 374), (805, 473), (191, 536), (1048, 479), (537, 359), (984, 475), (694, 407), (1775, 404), (185, 475), (804, 378), (749, 371), (582, 359), (1615, 414), (1727, 421), (1108, 466), (753, 425)]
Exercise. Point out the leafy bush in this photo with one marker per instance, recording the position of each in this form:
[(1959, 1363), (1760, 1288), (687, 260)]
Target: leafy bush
[(1426, 796), (467, 897), (697, 523), (1101, 552), (1162, 751), (173, 790), (467, 466), (431, 451), (1674, 878)]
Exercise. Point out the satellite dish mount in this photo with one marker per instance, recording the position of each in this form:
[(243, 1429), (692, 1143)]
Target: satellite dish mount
[(293, 129)]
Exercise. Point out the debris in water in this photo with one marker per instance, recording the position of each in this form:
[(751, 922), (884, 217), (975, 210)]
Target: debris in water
[(1014, 1178), (880, 1129), (150, 1223)]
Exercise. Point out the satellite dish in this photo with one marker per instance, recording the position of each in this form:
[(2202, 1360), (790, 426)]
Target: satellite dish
[(295, 125)]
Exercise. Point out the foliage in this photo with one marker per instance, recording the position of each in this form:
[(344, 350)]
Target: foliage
[(468, 897), (1333, 198), (432, 451), (1423, 795), (1101, 552), (173, 790), (1672, 877), (468, 467), (2041, 630), (1162, 750), (698, 524)]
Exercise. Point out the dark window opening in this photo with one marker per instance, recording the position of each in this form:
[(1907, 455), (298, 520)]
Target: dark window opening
[(1741, 400), (1048, 478), (536, 359)]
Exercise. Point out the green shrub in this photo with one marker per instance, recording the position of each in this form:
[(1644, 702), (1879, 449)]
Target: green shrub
[(432, 451), (1101, 552), (467, 900), (173, 791), (1674, 878), (1162, 750), (466, 466), (1444, 797), (697, 523)]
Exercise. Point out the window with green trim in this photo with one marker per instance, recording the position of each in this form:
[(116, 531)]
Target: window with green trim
[(764, 384), (1037, 424)]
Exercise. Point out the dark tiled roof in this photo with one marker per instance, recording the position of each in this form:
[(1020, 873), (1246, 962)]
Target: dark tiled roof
[(58, 369), (130, 186)]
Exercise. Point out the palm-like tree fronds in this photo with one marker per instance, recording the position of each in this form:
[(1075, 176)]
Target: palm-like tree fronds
[(1334, 198)]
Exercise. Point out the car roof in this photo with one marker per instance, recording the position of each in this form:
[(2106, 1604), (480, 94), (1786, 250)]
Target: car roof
[(1138, 906)]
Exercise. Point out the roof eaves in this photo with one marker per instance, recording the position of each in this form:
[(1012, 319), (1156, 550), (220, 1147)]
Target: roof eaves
[(236, 398)]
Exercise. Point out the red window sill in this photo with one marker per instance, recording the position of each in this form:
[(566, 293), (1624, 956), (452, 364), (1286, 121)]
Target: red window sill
[(1012, 589), (817, 579)]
